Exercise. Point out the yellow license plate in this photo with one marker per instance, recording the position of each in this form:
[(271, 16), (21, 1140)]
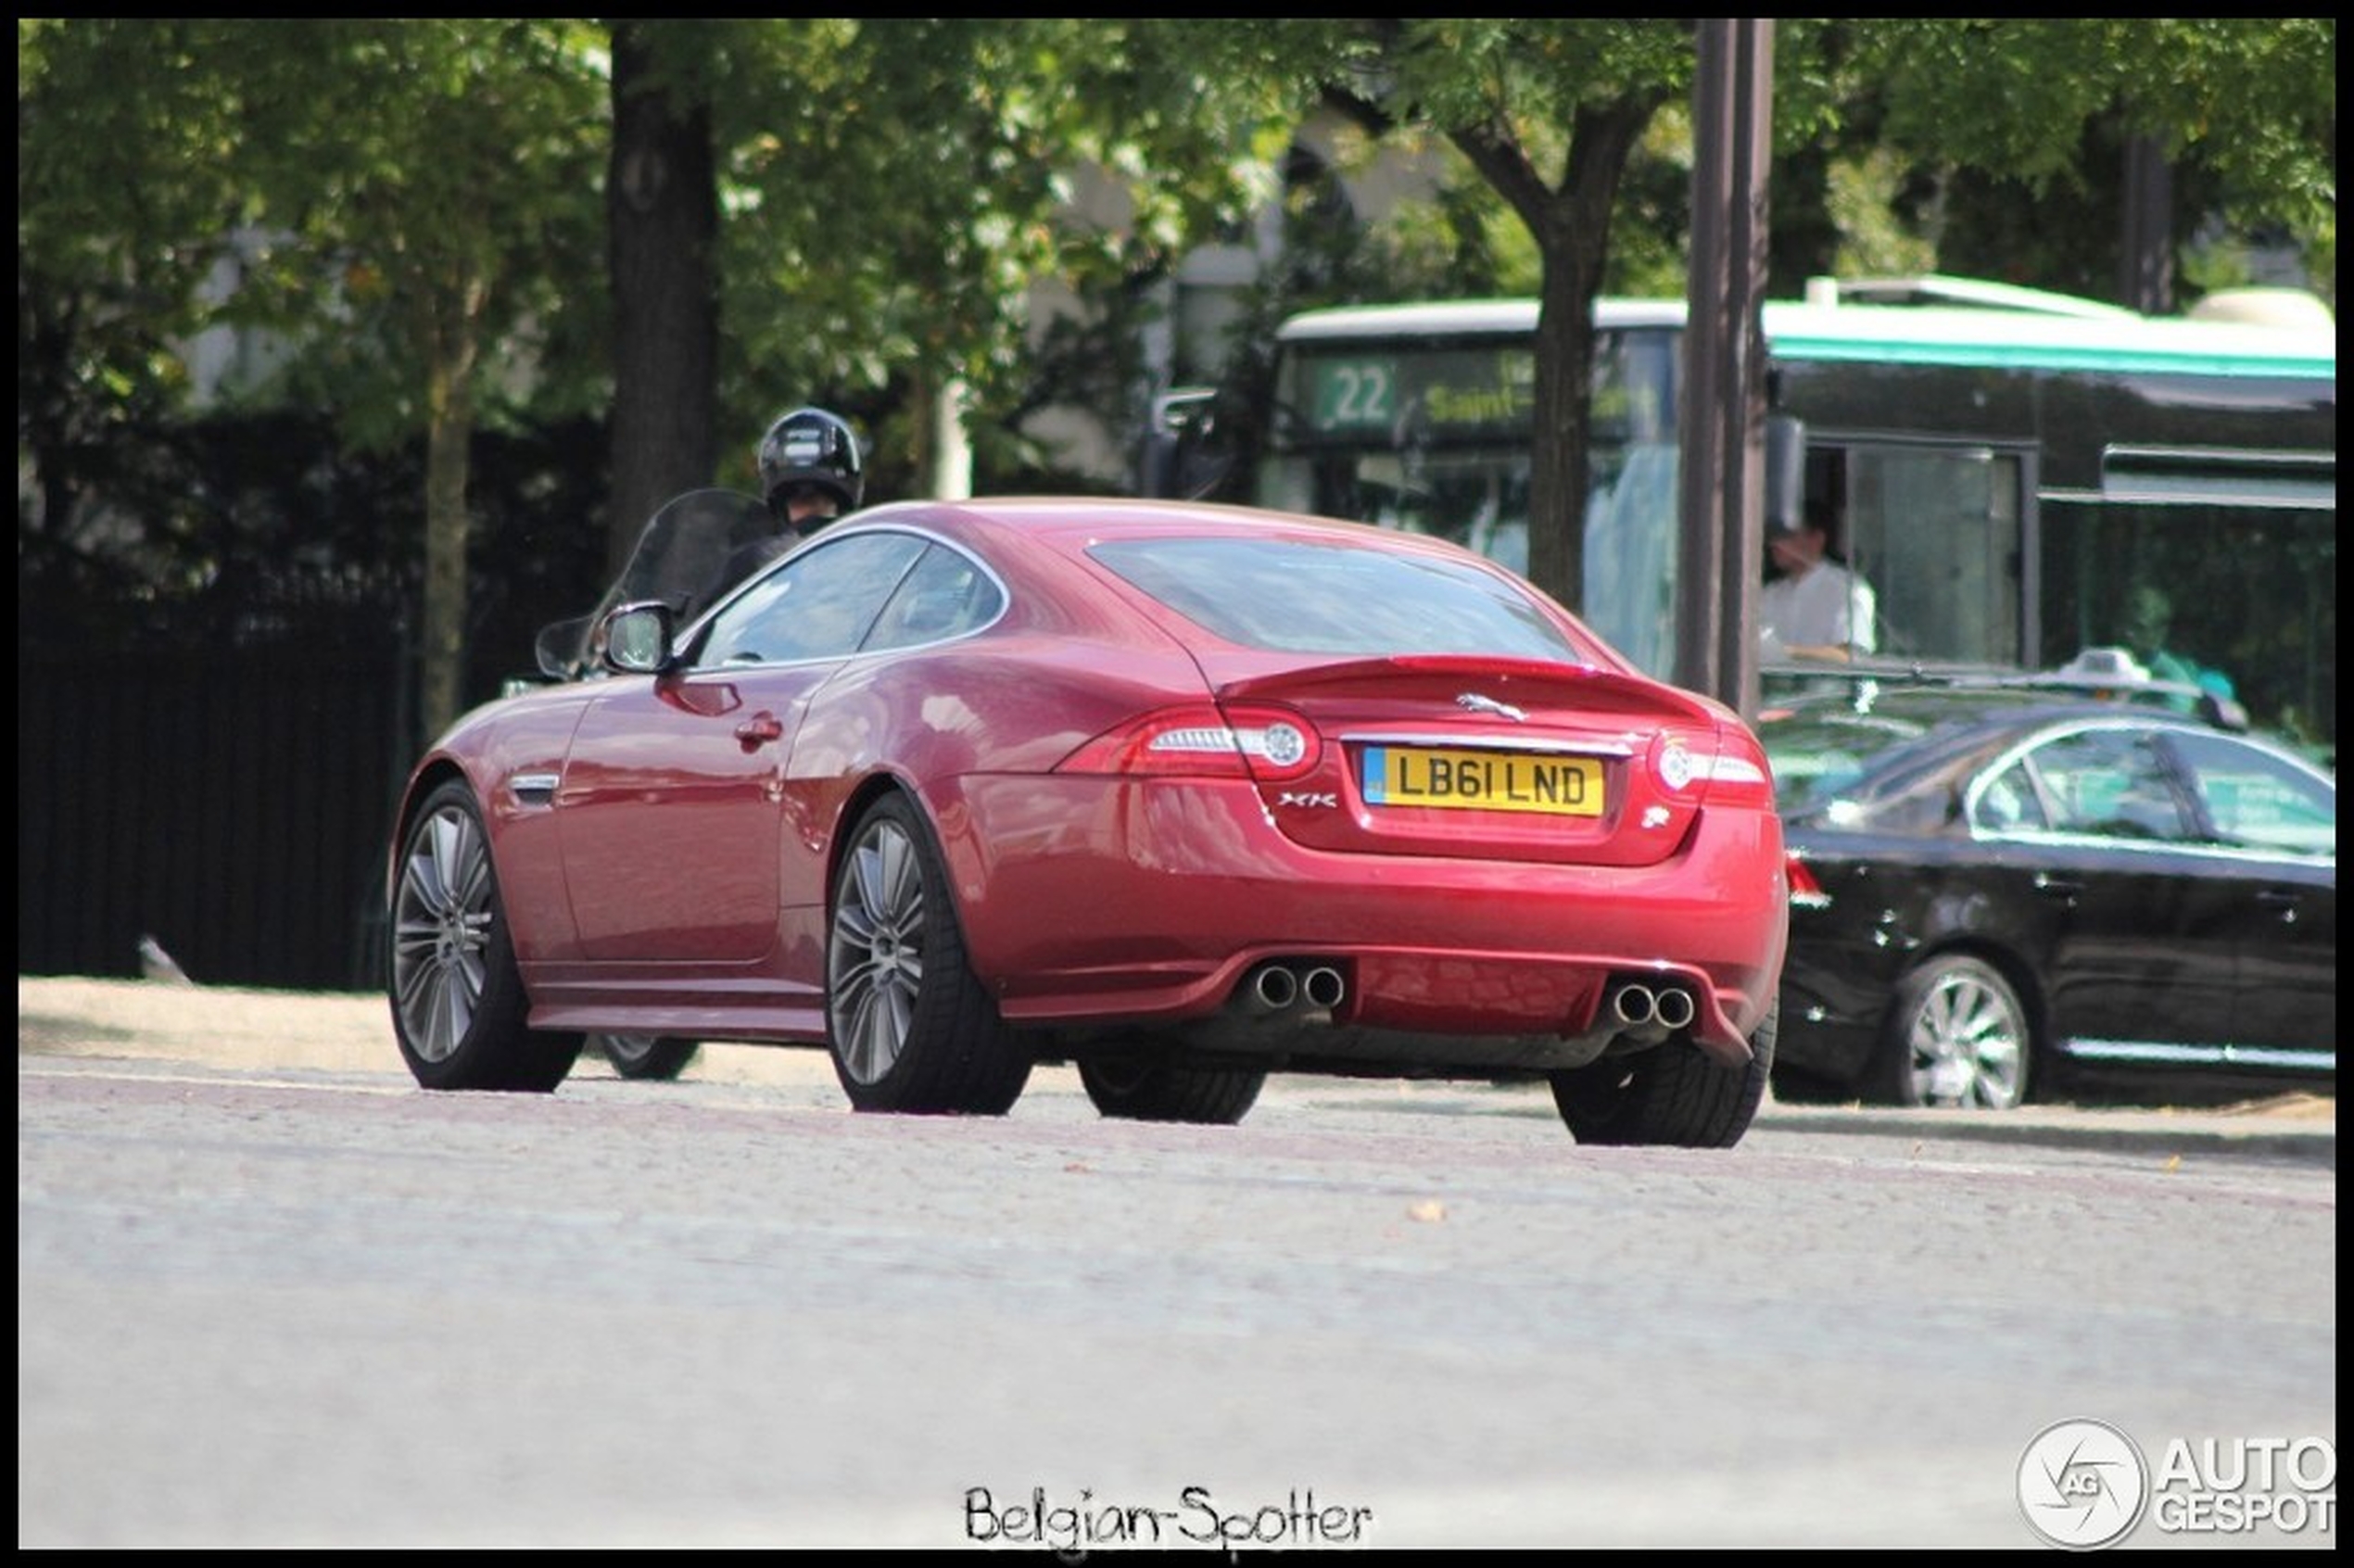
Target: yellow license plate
[(1418, 776)]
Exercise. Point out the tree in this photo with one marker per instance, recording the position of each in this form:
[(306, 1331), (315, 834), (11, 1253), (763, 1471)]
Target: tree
[(1549, 111), (2012, 139), (399, 201), (898, 189), (439, 227), (111, 258)]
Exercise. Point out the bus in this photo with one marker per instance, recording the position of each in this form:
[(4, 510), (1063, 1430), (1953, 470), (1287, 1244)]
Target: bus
[(2019, 475)]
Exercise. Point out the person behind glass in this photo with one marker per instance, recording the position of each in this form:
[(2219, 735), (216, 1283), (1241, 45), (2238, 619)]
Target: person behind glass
[(809, 475), (1814, 607), (2149, 616)]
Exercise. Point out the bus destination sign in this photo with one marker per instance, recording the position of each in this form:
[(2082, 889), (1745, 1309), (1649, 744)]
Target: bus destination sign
[(1449, 391)]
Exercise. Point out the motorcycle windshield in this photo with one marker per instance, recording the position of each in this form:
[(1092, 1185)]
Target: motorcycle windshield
[(678, 560)]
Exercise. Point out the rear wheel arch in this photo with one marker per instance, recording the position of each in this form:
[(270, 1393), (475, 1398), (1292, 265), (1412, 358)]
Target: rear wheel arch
[(854, 807)]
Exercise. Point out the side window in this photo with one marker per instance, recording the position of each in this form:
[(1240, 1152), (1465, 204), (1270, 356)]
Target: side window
[(818, 606), (2009, 804), (2111, 783), (1936, 533), (2255, 799), (946, 595)]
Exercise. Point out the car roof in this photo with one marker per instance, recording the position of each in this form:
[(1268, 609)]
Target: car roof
[(2105, 675), (1958, 718), (1070, 525), (2017, 706), (1050, 516)]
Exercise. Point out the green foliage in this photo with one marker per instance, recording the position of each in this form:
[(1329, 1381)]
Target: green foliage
[(353, 187), (896, 190), (110, 258), (462, 204), (2011, 132)]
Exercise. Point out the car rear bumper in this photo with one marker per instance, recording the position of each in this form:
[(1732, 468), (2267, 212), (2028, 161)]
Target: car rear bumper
[(1090, 900)]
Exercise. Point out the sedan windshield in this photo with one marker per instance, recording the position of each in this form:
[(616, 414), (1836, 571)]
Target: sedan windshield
[(1304, 596)]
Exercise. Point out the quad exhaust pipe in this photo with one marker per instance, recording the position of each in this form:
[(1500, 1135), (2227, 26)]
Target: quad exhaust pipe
[(1645, 1013), (1286, 985)]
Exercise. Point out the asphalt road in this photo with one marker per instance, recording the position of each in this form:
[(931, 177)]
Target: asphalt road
[(270, 1295)]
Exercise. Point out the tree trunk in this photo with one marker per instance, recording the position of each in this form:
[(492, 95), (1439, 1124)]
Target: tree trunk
[(1570, 224), (449, 432), (943, 455), (1563, 415), (661, 209)]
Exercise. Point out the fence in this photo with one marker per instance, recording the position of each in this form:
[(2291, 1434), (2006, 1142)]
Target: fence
[(234, 805)]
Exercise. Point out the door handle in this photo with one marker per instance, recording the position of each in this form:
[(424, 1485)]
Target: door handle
[(758, 731), (2058, 887), (2280, 903)]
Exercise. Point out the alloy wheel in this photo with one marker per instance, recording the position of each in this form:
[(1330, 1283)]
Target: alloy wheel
[(1968, 1044), (441, 933), (876, 961)]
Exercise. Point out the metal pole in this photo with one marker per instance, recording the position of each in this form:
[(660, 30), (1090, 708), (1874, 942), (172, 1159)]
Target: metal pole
[(1721, 427)]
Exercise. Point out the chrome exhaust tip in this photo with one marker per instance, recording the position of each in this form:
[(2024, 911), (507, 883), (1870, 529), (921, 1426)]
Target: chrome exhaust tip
[(1634, 1005), (1673, 1006), (1324, 986), (1273, 988)]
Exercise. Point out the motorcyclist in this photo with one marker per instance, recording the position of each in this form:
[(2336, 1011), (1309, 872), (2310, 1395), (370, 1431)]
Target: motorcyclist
[(809, 469), (809, 475)]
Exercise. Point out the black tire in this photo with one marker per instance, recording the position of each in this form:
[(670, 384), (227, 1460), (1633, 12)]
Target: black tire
[(1956, 1037), (1141, 1087), (1673, 1094), (910, 1028), (655, 1057), (458, 1005)]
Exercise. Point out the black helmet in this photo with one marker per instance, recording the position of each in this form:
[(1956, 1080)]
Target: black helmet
[(810, 446)]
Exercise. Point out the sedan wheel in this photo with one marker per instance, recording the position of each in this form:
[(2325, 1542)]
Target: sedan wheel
[(458, 1005), (1958, 1037), (912, 1030), (651, 1057), (1673, 1094)]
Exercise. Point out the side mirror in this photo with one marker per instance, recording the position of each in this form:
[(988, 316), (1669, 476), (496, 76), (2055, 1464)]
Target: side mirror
[(1183, 453), (637, 637)]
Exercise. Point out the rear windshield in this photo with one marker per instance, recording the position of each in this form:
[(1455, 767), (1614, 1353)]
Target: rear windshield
[(1817, 757), (1310, 596)]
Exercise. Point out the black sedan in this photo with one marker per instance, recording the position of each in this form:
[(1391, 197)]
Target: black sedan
[(1998, 892)]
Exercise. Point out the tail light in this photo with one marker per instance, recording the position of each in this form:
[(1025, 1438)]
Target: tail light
[(1722, 768), (1805, 888), (1263, 742)]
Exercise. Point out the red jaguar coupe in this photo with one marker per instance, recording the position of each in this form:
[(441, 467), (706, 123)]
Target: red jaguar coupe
[(1180, 794)]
